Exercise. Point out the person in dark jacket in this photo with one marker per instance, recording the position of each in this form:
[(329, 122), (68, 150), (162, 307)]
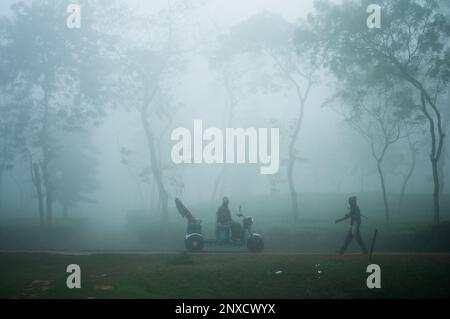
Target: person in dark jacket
[(355, 222), (223, 213)]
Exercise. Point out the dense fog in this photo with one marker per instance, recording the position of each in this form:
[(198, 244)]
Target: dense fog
[(88, 114)]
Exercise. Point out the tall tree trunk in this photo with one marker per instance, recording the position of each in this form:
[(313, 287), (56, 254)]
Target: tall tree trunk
[(443, 159), (436, 133), (436, 191), (155, 165), (36, 176), (46, 156), (48, 187), (442, 170), (292, 190), (293, 155), (383, 189), (302, 97), (154, 196), (46, 178), (410, 172), (379, 160), (232, 103), (437, 142)]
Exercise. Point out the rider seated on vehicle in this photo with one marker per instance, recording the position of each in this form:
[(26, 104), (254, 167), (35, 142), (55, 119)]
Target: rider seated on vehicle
[(224, 214), (224, 221)]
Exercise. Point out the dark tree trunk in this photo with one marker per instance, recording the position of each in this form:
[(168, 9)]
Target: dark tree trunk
[(437, 142), (293, 155), (156, 168), (219, 184), (38, 184), (155, 164), (302, 97), (292, 190), (154, 196), (436, 133), (379, 159), (46, 156), (410, 172), (442, 170), (383, 189), (48, 191), (436, 191), (443, 159)]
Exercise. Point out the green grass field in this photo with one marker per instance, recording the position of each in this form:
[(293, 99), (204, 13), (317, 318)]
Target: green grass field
[(226, 275)]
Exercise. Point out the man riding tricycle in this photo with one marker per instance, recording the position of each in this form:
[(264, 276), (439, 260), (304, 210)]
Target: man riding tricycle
[(228, 231)]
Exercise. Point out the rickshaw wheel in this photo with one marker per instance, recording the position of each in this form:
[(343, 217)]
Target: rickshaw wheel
[(255, 243), (194, 242)]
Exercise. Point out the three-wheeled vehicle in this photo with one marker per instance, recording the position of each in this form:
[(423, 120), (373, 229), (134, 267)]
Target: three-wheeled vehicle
[(235, 234)]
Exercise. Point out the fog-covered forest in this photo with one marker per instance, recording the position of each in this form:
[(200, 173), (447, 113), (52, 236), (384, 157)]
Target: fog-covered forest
[(90, 100)]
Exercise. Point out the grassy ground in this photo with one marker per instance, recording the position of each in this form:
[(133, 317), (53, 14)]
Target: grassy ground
[(182, 275)]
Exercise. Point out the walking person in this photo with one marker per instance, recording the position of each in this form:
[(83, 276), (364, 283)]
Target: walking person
[(355, 222)]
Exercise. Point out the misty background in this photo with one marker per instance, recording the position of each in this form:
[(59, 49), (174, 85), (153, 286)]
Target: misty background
[(89, 112)]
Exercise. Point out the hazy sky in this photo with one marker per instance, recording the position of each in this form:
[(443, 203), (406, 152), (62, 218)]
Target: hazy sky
[(327, 144), (235, 9)]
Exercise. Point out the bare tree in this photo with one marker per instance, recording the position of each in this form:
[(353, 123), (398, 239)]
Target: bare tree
[(413, 151), (412, 47), (150, 57), (290, 66), (376, 114), (380, 134)]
